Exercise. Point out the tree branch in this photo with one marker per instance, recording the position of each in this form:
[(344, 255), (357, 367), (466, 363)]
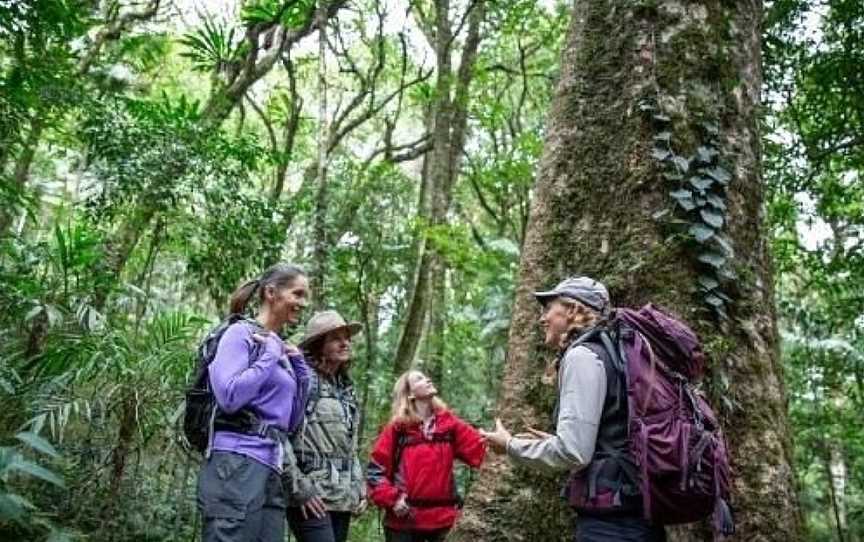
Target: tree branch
[(112, 32)]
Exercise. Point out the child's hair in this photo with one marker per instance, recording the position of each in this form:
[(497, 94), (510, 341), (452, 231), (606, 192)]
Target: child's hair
[(404, 410)]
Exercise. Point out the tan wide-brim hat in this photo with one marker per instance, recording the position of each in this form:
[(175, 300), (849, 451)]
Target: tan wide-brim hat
[(323, 323)]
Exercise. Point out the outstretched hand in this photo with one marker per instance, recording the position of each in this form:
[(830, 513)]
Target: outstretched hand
[(498, 438)]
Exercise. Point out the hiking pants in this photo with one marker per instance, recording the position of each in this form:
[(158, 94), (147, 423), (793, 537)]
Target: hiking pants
[(241, 500), (333, 527), (617, 529), (392, 535)]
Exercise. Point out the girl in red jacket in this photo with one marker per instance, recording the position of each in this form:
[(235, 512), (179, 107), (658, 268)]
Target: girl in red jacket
[(410, 474)]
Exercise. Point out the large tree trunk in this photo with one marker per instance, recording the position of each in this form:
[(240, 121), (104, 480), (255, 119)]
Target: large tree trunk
[(597, 191)]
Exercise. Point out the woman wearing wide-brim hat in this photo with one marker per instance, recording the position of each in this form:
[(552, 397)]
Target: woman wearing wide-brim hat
[(325, 483)]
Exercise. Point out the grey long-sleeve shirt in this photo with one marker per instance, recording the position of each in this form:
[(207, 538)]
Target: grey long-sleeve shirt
[(581, 393)]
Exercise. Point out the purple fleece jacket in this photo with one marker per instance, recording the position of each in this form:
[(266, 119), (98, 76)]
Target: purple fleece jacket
[(271, 384)]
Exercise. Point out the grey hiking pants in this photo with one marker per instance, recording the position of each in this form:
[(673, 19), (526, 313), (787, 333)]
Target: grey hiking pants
[(241, 500)]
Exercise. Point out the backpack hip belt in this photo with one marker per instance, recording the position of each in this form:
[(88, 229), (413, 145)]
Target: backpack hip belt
[(434, 503)]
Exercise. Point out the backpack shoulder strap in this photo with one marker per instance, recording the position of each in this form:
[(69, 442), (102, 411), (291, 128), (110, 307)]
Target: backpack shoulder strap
[(314, 392), (399, 440)]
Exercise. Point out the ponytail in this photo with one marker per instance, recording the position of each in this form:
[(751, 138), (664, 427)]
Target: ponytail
[(242, 295), (278, 275)]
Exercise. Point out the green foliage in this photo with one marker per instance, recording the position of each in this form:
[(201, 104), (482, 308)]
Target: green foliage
[(289, 14), (813, 158), (16, 511)]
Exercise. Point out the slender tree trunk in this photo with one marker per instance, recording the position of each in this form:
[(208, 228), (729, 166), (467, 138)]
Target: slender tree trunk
[(835, 469), (370, 336), (597, 191), (449, 128), (118, 249), (435, 367), (22, 167), (320, 244), (120, 454)]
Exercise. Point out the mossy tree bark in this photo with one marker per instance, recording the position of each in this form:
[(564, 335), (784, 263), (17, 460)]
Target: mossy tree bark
[(598, 192)]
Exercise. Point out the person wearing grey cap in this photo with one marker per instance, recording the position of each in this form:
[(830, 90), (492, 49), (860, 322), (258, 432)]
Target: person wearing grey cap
[(324, 481), (590, 417)]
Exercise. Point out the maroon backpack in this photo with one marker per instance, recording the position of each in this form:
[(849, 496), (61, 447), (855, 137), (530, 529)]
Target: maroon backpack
[(674, 438)]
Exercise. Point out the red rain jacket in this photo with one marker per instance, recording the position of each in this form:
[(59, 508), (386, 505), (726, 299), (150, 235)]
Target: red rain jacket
[(425, 471)]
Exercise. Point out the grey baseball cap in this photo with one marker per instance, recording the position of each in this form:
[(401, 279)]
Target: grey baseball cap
[(583, 289)]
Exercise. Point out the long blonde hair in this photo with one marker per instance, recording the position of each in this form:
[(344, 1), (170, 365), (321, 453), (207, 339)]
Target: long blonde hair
[(404, 409)]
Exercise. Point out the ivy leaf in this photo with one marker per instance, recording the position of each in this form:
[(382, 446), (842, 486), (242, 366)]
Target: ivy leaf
[(712, 218), (700, 201), (701, 232), (722, 296), (684, 199), (725, 246), (660, 117), (719, 174), (687, 204), (716, 201), (708, 282), (727, 273), (682, 163), (711, 128), (714, 259), (701, 183), (714, 301), (646, 106), (706, 154), (660, 154)]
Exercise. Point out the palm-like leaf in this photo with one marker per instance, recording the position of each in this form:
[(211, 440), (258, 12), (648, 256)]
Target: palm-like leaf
[(156, 356), (210, 47), (37, 443)]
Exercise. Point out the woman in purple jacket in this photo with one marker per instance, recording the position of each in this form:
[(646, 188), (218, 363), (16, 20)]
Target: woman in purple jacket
[(239, 488)]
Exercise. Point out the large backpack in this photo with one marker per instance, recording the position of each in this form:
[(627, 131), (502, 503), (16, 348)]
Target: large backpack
[(674, 438), (201, 415)]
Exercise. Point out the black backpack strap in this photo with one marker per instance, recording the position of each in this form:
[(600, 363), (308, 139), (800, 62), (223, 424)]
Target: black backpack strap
[(398, 445), (314, 392), (403, 440)]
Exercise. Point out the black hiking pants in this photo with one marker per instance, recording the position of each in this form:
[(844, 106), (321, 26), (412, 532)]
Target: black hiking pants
[(333, 527), (392, 535), (616, 528), (241, 500)]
